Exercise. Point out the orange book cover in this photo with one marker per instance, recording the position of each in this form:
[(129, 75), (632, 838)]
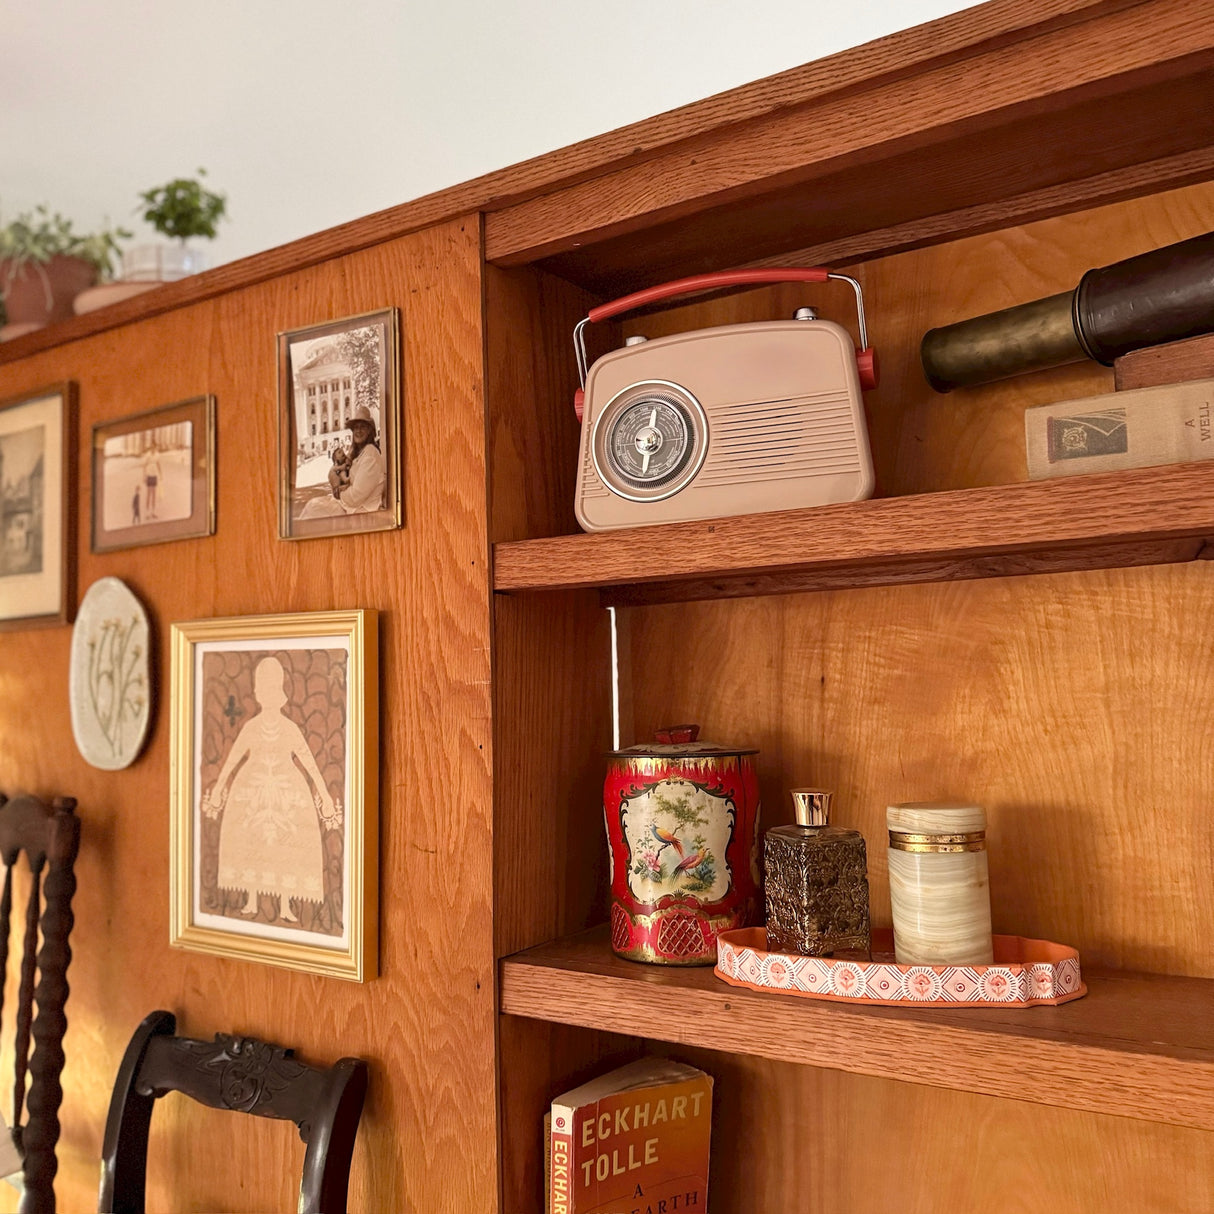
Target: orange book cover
[(634, 1141)]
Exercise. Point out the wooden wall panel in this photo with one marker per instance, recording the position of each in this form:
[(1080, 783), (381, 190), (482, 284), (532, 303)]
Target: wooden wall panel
[(797, 1139), (428, 1137)]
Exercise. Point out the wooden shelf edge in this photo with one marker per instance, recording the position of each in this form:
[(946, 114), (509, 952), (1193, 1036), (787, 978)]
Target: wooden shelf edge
[(1064, 1057), (1139, 517)]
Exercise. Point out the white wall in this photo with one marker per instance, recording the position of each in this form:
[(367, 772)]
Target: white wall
[(311, 113)]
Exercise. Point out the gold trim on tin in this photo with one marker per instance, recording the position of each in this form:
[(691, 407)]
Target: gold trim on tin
[(935, 842)]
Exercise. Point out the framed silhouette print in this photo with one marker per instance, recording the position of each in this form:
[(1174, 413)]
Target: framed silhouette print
[(274, 797)]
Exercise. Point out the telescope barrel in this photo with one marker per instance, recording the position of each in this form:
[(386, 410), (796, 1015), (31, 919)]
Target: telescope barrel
[(1164, 295)]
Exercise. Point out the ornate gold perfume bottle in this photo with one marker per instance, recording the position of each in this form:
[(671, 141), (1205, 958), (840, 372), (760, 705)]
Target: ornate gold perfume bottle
[(817, 882)]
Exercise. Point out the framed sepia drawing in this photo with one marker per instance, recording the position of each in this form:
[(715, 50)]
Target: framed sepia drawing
[(339, 427), (274, 797), (154, 476), (37, 507)]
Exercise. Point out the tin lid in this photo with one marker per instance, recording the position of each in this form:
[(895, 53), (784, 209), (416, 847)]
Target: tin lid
[(682, 740), (811, 806)]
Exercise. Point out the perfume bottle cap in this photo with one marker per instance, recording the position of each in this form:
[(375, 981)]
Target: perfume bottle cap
[(812, 806)]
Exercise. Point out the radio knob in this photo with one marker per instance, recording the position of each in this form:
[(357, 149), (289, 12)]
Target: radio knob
[(805, 314), (636, 339)]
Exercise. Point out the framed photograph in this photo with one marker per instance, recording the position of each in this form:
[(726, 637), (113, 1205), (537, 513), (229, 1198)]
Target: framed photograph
[(154, 476), (339, 427), (37, 508), (274, 790)]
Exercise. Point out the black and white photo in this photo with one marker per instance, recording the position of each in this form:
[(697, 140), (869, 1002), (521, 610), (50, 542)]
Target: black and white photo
[(154, 475), (36, 508), (339, 405)]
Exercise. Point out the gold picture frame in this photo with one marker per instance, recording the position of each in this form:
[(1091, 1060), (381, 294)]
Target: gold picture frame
[(332, 478), (154, 476), (38, 507), (274, 790)]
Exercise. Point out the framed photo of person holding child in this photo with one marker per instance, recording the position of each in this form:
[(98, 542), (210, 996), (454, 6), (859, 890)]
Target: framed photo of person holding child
[(339, 406)]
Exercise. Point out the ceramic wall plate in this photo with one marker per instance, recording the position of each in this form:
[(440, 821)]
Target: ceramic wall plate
[(110, 680)]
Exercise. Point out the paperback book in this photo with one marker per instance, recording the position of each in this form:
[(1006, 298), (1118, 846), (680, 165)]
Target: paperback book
[(634, 1141), (1170, 424)]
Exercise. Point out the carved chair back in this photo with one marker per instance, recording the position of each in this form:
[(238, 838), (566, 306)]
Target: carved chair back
[(49, 835), (246, 1076)]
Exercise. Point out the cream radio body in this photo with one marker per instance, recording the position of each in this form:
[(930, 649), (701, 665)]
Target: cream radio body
[(736, 419)]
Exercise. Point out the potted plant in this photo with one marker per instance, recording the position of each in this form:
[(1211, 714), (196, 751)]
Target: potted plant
[(45, 263), (179, 209)]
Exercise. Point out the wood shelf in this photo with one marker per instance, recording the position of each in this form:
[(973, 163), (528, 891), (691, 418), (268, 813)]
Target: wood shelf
[(1147, 516), (1138, 1045)]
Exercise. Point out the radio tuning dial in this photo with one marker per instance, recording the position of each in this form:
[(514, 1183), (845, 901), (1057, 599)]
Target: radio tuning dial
[(650, 440)]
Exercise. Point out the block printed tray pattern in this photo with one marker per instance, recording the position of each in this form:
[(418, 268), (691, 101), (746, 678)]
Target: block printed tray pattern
[(1025, 973)]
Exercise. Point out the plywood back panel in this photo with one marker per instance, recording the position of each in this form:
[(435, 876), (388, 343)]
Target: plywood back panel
[(428, 1136), (789, 1138)]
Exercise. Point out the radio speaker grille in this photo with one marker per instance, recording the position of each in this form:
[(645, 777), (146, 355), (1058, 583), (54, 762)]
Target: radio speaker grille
[(810, 435)]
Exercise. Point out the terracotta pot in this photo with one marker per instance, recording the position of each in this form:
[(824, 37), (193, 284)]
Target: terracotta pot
[(682, 818), (42, 293)]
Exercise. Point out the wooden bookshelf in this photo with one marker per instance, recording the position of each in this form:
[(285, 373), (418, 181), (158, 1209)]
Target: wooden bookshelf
[(1137, 1045), (1147, 516)]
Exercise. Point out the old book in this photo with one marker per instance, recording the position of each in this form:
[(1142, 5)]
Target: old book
[(1169, 424), (634, 1141)]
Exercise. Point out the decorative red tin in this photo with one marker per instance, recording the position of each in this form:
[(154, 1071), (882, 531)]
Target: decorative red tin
[(682, 827)]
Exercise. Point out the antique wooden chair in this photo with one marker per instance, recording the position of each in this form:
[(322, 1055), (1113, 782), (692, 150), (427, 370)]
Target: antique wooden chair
[(246, 1076), (49, 835)]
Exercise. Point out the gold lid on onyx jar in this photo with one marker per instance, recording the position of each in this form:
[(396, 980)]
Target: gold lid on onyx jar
[(679, 741), (936, 826)]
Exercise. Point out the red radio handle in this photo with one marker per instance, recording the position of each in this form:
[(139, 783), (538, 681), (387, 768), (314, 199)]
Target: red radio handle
[(704, 282), (866, 358)]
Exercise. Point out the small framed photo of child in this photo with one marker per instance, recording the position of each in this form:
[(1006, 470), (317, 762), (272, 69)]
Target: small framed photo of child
[(273, 830), (154, 476), (339, 406)]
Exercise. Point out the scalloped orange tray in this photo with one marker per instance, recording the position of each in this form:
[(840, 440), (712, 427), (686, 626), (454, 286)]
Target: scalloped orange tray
[(1025, 973)]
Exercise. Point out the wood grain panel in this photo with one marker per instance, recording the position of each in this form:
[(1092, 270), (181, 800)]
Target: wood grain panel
[(817, 1141), (552, 699), (1043, 85), (1134, 1046), (532, 376), (1173, 363), (1085, 520), (428, 1136)]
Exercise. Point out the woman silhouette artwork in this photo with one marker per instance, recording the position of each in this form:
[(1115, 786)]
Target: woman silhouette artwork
[(274, 804)]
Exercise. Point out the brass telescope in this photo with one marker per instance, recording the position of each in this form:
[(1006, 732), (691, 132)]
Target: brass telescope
[(1160, 296)]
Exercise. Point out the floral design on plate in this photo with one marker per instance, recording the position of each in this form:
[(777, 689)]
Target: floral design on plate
[(1040, 981), (923, 983), (847, 979), (998, 984), (777, 972)]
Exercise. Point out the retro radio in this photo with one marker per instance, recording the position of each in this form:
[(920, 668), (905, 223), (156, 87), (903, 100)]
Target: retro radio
[(735, 419)]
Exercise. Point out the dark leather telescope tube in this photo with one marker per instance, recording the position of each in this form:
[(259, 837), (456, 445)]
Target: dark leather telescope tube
[(1164, 295), (1160, 296)]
